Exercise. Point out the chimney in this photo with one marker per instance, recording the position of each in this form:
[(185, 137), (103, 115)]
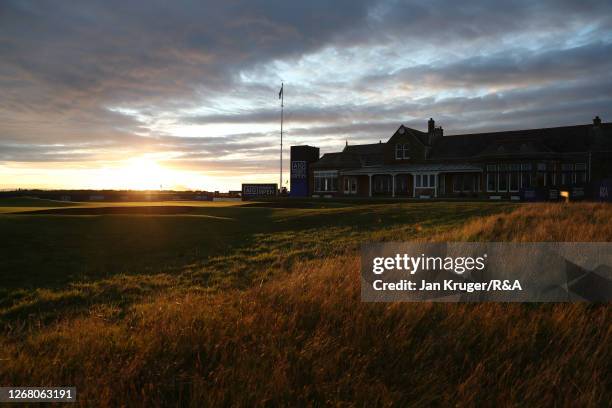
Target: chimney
[(431, 125), (597, 121), (433, 132)]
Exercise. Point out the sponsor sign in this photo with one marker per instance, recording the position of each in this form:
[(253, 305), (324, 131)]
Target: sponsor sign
[(577, 193), (604, 191), (258, 191), (299, 178), (298, 169), (486, 272)]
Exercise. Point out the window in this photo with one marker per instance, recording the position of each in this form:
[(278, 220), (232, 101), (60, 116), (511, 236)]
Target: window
[(503, 177), (580, 174), (350, 185), (425, 180), (550, 177), (401, 151), (465, 183), (491, 177), (326, 181), (457, 183), (540, 180), (401, 184), (502, 180), (382, 183), (566, 174), (514, 177), (514, 181), (526, 175)]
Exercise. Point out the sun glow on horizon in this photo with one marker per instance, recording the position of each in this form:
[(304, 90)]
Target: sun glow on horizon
[(143, 172)]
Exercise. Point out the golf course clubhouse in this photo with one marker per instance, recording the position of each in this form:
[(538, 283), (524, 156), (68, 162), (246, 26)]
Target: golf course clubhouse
[(534, 164)]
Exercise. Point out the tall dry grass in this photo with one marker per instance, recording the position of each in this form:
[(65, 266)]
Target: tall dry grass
[(539, 222), (306, 338)]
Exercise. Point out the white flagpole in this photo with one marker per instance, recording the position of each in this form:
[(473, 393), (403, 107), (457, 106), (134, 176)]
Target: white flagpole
[(282, 95)]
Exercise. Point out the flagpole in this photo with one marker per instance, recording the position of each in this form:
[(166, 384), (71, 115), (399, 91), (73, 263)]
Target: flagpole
[(282, 95)]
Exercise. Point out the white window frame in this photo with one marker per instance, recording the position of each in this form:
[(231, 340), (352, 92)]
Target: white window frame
[(348, 185), (567, 170), (581, 170), (325, 174), (423, 180), (492, 173), (526, 170), (502, 169), (514, 169), (401, 151)]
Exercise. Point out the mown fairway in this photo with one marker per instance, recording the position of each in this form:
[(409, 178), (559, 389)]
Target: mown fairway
[(253, 305), (64, 259)]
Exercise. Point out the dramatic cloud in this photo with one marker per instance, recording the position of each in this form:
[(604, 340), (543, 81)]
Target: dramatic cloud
[(193, 85)]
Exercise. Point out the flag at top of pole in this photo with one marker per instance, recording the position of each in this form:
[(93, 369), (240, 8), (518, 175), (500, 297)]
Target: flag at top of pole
[(280, 93)]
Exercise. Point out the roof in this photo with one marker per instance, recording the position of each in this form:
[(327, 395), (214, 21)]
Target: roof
[(337, 160), (364, 148), (410, 168), (369, 154), (353, 156), (421, 136), (567, 139), (546, 141)]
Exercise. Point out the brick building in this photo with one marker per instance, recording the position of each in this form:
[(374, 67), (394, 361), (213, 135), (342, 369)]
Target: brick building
[(522, 164)]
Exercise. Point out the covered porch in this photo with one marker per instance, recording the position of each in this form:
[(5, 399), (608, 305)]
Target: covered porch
[(414, 181)]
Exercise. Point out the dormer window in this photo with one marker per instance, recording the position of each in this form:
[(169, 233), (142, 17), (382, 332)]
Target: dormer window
[(402, 151)]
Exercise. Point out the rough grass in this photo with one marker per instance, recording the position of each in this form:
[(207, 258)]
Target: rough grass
[(574, 222), (304, 338)]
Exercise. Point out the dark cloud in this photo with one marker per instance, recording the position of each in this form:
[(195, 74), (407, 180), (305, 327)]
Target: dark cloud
[(509, 69), (144, 53), (89, 81)]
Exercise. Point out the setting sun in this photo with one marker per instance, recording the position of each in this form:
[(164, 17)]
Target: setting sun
[(142, 173)]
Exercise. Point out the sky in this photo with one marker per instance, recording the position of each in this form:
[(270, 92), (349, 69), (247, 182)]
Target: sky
[(184, 94)]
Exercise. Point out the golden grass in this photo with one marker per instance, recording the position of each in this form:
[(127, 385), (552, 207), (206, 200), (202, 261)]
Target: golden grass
[(573, 222), (305, 338)]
